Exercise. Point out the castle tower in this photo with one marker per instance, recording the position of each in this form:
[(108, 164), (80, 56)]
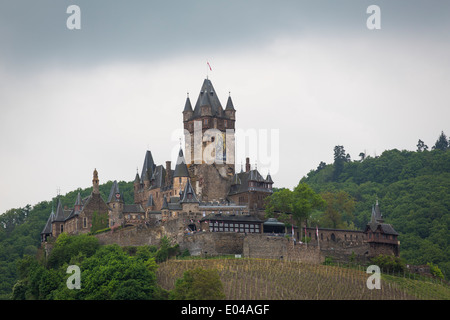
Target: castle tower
[(115, 203), (181, 173), (209, 138)]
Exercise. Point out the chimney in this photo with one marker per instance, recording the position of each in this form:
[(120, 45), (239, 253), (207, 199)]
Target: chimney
[(247, 164), (168, 181)]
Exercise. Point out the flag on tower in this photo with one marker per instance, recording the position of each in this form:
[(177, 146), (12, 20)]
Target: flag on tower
[(209, 66)]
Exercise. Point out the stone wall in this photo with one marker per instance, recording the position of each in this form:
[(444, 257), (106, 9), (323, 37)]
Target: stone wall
[(131, 236), (213, 243), (274, 247)]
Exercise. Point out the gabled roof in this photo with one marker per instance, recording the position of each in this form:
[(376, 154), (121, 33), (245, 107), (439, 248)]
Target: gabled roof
[(181, 169), (208, 97)]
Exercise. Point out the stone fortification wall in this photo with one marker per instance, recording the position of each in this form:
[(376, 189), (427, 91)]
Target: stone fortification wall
[(131, 236)]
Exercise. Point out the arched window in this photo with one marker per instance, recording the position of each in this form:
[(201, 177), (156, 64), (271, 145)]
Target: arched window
[(333, 237)]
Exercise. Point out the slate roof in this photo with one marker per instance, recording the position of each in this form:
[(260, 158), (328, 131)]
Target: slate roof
[(133, 208), (181, 169), (189, 195), (377, 222), (60, 215), (48, 226), (229, 105), (188, 106), (148, 167), (208, 97), (114, 192), (159, 177), (244, 178)]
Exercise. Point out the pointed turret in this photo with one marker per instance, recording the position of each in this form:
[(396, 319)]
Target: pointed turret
[(181, 169), (59, 216), (188, 111), (189, 195), (269, 179), (377, 212), (47, 231), (208, 103), (78, 203), (148, 167), (114, 193)]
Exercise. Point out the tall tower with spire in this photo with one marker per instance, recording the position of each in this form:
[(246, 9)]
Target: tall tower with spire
[(209, 143)]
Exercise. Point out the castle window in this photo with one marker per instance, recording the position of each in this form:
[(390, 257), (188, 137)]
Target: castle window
[(62, 228), (84, 222), (225, 123)]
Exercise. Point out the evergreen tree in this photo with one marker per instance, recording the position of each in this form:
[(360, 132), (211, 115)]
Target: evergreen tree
[(441, 142)]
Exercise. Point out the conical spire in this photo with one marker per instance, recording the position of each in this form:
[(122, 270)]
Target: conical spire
[(187, 105), (114, 193), (59, 216), (48, 226), (189, 194), (208, 97), (229, 105), (181, 169), (148, 167)]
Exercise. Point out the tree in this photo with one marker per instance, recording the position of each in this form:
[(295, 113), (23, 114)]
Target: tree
[(421, 146), (198, 284), (441, 142), (340, 157), (338, 211)]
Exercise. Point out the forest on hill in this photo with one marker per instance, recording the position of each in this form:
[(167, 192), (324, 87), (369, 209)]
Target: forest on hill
[(412, 188), (413, 191)]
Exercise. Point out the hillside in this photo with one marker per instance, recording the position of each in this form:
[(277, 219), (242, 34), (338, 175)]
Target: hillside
[(20, 230), (264, 279), (413, 190)]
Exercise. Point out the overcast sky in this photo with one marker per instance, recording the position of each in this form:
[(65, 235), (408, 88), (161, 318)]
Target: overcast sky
[(309, 74)]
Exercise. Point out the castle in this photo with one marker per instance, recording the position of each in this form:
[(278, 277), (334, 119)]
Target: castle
[(203, 203)]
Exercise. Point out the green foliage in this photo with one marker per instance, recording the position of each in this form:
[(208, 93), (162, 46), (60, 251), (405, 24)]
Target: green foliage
[(166, 250), (413, 192), (435, 271), (299, 203), (198, 284), (67, 247), (388, 263), (338, 211), (107, 272), (99, 221)]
